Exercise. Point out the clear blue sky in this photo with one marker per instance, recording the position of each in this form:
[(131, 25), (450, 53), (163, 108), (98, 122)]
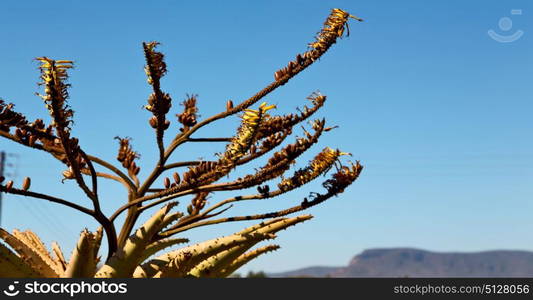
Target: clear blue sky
[(437, 111)]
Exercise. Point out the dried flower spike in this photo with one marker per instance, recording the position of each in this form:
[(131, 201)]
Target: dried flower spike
[(189, 115)]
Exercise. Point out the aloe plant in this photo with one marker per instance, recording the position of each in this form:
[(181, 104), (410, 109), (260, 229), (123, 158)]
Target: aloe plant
[(130, 252)]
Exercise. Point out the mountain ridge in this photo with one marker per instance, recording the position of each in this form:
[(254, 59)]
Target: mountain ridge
[(414, 262)]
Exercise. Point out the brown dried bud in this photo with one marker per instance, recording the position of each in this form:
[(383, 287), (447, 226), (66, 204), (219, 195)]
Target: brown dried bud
[(74, 142), (18, 133), (263, 189), (68, 174), (126, 163), (229, 105), (2, 178), (291, 65), (167, 124), (38, 123), (299, 59), (137, 170), (176, 178), (153, 122), (151, 99), (166, 182), (32, 140), (278, 75), (186, 177), (9, 185), (26, 183)]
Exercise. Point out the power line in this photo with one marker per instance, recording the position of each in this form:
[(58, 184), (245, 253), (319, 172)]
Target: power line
[(39, 217), (2, 162), (38, 211), (51, 218)]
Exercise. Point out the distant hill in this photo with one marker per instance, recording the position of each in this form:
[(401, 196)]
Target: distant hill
[(402, 262), (308, 272)]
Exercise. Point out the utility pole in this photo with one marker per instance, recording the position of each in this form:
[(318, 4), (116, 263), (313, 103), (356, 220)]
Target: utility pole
[(2, 164)]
